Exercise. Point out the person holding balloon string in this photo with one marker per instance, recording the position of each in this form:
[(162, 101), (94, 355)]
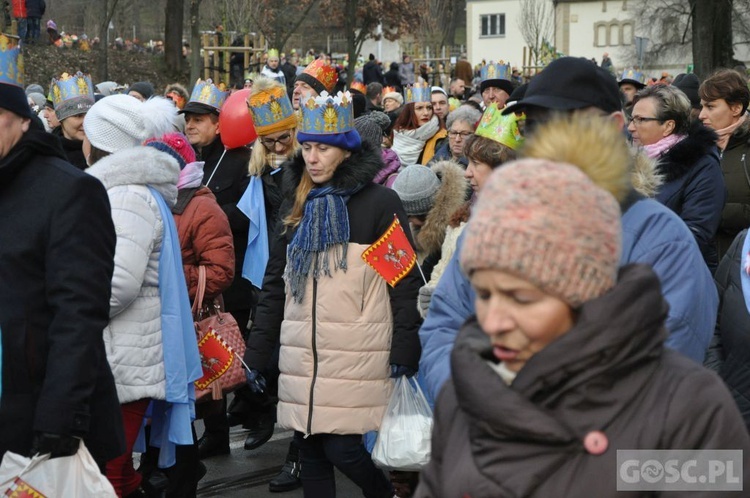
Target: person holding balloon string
[(209, 111)]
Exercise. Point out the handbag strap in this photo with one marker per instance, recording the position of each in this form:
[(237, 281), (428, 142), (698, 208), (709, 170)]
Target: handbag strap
[(201, 291)]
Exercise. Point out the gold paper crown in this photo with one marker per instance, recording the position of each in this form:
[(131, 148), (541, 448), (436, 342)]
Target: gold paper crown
[(11, 62), (70, 86), (358, 86), (205, 92), (418, 92), (271, 110), (325, 115), (500, 128), (273, 53)]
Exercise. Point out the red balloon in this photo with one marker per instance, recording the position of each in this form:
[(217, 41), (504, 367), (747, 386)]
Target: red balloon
[(235, 122)]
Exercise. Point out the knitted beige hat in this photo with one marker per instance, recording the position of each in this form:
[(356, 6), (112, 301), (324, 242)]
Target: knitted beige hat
[(550, 224)]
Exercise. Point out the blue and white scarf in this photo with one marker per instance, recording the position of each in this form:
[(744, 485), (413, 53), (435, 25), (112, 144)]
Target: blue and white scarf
[(323, 233)]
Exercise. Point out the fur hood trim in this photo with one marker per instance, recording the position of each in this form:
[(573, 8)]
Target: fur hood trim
[(645, 178), (449, 198), (599, 151), (681, 158), (139, 166), (358, 169)]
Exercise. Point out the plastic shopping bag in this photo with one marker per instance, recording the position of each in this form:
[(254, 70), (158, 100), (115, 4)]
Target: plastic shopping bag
[(404, 439), (74, 476)]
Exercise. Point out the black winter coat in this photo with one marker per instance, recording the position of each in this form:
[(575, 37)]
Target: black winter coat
[(372, 73), (609, 378), (73, 149), (371, 212), (57, 245), (694, 187), (35, 8), (228, 184), (729, 353)]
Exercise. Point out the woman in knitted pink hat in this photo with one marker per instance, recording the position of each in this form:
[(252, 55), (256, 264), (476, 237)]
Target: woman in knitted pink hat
[(564, 362)]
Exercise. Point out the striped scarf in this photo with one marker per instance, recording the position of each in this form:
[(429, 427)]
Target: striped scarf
[(323, 233)]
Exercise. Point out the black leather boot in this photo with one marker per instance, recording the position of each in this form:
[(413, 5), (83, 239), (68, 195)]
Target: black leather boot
[(210, 445), (286, 480), (260, 431)]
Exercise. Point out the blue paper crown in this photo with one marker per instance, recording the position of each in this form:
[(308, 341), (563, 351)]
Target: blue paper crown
[(71, 86), (632, 74), (418, 92), (495, 71), (11, 62), (326, 114), (205, 92), (269, 107)]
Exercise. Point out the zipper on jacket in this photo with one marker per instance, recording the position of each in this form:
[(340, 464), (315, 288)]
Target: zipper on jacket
[(315, 356)]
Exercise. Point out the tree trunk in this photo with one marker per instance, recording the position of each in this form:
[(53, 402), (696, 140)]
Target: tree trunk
[(173, 26), (195, 42), (712, 35), (350, 14), (103, 66)]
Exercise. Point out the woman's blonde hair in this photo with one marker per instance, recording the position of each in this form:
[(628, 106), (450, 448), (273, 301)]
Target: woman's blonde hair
[(300, 197), (259, 155)]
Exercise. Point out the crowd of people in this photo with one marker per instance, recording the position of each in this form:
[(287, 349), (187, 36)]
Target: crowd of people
[(581, 285)]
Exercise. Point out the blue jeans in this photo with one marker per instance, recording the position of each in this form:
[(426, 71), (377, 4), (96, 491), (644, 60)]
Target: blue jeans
[(320, 453), (22, 28), (32, 30)]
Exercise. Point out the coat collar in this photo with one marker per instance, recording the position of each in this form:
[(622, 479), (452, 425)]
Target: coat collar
[(139, 166), (579, 383), (680, 159), (359, 169)]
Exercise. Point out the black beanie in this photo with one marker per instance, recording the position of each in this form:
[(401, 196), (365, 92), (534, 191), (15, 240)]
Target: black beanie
[(13, 98)]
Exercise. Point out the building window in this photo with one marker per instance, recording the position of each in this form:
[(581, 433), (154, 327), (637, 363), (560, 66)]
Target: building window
[(493, 25), (600, 34), (627, 33), (614, 34)]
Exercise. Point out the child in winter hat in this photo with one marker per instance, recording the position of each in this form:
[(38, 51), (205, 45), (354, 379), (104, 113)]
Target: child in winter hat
[(549, 224), (121, 121), (178, 146)]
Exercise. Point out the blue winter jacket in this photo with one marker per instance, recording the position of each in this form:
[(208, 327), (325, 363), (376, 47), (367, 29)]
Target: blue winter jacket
[(651, 234)]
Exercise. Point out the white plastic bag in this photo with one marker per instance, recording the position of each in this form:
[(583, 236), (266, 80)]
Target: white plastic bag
[(404, 439), (74, 476)]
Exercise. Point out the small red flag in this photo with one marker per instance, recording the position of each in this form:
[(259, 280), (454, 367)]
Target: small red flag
[(216, 358), (392, 256)]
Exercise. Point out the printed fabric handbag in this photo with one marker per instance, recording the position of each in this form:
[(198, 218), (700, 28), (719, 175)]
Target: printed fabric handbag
[(220, 345)]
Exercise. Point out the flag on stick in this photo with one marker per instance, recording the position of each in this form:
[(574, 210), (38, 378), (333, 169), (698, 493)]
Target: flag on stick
[(391, 256)]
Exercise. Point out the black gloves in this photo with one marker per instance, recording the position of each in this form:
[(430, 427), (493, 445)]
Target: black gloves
[(55, 444)]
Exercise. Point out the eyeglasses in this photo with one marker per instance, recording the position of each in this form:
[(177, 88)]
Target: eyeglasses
[(270, 143), (462, 134), (638, 120)]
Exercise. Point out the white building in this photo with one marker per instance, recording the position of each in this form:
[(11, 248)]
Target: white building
[(492, 31), (582, 28)]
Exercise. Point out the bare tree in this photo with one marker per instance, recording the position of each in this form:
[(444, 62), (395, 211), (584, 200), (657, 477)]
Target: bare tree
[(195, 41), (707, 32), (536, 21), (173, 27)]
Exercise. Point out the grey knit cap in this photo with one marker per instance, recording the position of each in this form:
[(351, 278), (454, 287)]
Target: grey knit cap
[(73, 107), (371, 128), (417, 186)]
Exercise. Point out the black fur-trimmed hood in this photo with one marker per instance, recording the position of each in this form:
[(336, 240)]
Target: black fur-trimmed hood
[(681, 158), (359, 169)]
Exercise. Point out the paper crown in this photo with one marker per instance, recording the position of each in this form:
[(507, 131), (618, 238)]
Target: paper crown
[(273, 53), (359, 86), (387, 90), (326, 114), (418, 92), (271, 110), (205, 92), (70, 86), (495, 71), (501, 129), (11, 61), (633, 75), (322, 72)]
